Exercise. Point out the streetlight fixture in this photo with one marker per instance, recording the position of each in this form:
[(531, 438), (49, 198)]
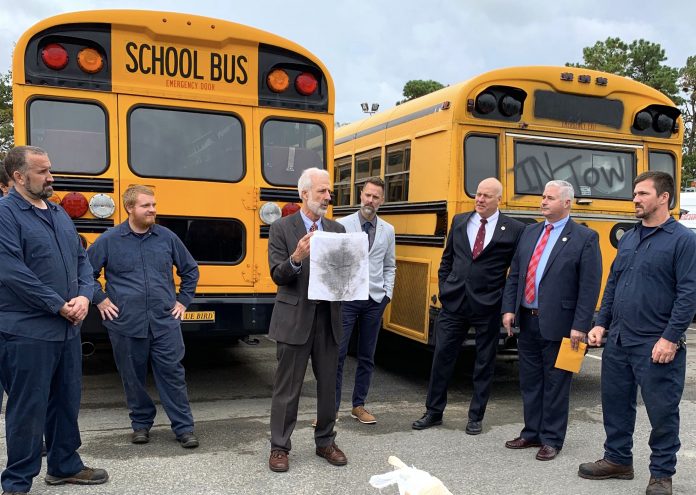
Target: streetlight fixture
[(369, 109)]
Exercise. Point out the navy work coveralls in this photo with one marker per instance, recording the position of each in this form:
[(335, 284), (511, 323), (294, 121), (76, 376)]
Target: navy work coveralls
[(42, 266), (650, 293), (139, 281)]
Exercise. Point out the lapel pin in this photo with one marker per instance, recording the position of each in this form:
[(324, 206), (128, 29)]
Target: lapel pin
[(502, 228), (564, 239)]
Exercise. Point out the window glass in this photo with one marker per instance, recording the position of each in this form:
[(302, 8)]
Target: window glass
[(184, 144), (663, 162), (367, 164), (289, 148), (210, 241), (396, 174), (480, 161), (72, 133), (594, 173), (342, 182)]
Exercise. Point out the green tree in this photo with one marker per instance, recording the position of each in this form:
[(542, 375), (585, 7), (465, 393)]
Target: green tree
[(687, 83), (6, 126), (416, 88), (640, 60)]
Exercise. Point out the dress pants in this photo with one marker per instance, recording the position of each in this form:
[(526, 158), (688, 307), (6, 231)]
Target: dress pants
[(289, 378), (165, 351), (661, 386), (368, 315), (545, 388), (450, 331), (43, 380)]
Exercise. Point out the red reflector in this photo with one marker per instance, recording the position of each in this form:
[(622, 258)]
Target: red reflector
[(54, 56), (306, 84), (74, 204), (289, 209)]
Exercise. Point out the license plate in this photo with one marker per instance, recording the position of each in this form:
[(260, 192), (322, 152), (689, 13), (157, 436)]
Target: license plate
[(199, 316)]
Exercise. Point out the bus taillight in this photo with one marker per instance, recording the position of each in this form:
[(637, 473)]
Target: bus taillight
[(278, 81), (90, 60), (306, 83), (74, 204), (289, 209), (54, 56)]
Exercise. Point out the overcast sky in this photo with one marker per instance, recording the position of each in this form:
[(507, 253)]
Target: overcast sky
[(372, 47)]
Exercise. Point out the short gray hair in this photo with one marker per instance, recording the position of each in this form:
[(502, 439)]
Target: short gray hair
[(305, 181), (566, 188)]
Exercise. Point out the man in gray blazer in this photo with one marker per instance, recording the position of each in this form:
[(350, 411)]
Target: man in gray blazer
[(301, 327), (368, 313)]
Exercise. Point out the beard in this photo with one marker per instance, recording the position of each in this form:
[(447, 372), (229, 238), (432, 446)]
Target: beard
[(39, 192), (316, 207), (368, 211)]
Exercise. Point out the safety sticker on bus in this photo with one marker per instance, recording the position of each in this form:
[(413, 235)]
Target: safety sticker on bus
[(199, 316)]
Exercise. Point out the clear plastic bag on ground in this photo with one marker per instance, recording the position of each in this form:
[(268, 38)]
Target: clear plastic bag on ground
[(411, 481)]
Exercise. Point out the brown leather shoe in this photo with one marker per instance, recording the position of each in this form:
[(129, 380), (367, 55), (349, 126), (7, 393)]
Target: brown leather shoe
[(521, 443), (278, 461), (547, 453), (88, 476), (332, 454), (604, 470), (659, 486)]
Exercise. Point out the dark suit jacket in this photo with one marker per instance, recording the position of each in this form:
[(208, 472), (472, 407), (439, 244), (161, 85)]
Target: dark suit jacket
[(293, 313), (569, 286), (480, 281)]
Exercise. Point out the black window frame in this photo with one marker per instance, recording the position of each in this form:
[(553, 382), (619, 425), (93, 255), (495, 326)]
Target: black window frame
[(404, 174), (294, 121), (673, 199), (342, 162), (185, 110), (99, 104), (496, 138)]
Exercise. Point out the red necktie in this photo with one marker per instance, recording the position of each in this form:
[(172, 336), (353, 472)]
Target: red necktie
[(480, 237), (529, 291), (313, 227)]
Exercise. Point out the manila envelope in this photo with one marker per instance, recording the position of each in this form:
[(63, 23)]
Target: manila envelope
[(568, 359)]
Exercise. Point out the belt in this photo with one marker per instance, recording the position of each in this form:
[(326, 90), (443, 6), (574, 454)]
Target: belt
[(530, 311)]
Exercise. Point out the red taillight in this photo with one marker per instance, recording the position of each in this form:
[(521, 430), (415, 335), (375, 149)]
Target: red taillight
[(54, 56), (306, 83), (289, 209), (74, 204)]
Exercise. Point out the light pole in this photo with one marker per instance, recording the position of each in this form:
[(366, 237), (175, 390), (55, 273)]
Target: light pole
[(369, 109)]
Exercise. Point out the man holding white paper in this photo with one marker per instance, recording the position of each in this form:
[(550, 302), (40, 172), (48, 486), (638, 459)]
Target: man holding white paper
[(551, 292)]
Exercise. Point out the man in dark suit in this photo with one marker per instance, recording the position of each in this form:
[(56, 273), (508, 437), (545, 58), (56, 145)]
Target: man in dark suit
[(472, 272), (551, 291), (301, 327)]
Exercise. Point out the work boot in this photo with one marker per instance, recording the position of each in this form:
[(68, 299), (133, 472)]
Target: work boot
[(88, 476), (659, 486), (604, 469)]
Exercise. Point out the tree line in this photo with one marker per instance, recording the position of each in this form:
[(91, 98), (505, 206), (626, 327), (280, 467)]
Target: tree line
[(640, 60)]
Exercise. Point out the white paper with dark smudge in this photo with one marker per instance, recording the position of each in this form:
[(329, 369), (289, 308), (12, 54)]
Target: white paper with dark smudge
[(339, 267)]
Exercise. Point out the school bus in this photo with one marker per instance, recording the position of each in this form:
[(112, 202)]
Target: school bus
[(220, 119), (525, 126)]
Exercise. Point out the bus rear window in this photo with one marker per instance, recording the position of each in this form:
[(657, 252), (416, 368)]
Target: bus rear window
[(289, 148), (209, 240), (182, 144), (594, 173), (72, 133)]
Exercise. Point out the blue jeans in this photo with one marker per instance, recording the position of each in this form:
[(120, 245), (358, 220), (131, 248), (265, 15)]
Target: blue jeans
[(661, 386), (368, 314)]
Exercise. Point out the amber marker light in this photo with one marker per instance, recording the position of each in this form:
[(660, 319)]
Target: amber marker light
[(90, 60), (278, 80)]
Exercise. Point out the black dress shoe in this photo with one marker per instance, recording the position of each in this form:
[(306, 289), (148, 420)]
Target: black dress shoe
[(188, 440), (427, 420), (140, 436), (521, 443), (473, 427)]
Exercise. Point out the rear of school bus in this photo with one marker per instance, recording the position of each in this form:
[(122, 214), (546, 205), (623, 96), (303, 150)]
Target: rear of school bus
[(525, 126), (219, 119)]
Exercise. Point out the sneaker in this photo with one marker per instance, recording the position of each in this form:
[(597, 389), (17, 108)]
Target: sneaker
[(363, 415), (88, 476), (314, 421), (604, 470), (659, 486)]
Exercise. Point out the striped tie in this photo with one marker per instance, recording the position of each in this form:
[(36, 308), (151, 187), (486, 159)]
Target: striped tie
[(313, 227), (529, 290), (480, 237)]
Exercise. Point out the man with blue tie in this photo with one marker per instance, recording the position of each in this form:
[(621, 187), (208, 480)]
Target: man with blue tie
[(551, 291), (368, 313)]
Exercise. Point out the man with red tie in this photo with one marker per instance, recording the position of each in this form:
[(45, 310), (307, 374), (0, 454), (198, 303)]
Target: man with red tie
[(472, 272), (551, 292)]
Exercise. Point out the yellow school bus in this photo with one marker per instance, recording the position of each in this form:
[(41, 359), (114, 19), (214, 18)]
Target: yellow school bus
[(525, 126), (218, 118)]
